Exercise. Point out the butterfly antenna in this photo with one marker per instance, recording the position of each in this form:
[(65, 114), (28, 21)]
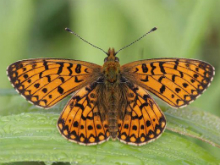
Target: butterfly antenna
[(67, 29), (137, 39)]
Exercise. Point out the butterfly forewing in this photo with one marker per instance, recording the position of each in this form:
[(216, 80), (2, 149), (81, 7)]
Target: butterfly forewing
[(143, 120), (178, 82), (44, 82), (81, 120)]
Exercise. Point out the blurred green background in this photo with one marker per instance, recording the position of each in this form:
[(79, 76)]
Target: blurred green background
[(186, 29)]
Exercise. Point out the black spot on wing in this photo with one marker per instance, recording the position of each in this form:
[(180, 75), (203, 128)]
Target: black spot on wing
[(162, 89), (45, 65), (77, 80), (60, 68), (161, 78), (36, 85), (78, 68), (176, 64), (60, 90), (144, 68), (161, 67), (173, 78), (177, 90), (48, 78), (69, 69), (62, 79), (153, 67), (146, 79)]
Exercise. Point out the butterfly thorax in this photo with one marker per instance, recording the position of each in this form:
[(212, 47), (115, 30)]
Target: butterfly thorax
[(111, 68)]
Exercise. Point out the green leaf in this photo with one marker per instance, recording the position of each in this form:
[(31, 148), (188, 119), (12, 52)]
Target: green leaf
[(194, 123), (34, 137)]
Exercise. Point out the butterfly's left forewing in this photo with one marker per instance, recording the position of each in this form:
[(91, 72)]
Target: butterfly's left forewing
[(142, 121), (44, 82)]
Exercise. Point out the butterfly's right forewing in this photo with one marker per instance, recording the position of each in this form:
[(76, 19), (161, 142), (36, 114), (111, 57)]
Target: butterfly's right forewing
[(178, 82)]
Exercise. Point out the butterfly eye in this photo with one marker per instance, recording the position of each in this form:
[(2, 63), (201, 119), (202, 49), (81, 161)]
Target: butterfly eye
[(106, 59), (116, 59)]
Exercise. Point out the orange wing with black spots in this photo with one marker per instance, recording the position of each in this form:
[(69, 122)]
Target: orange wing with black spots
[(178, 82), (142, 121), (44, 82), (81, 120)]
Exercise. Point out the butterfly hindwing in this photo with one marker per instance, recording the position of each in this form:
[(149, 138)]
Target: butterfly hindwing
[(178, 82), (142, 121), (81, 120), (44, 82)]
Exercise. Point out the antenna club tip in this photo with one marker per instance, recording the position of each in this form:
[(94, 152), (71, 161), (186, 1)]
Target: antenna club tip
[(155, 28), (67, 29)]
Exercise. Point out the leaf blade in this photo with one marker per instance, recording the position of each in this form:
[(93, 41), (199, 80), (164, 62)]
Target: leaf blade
[(33, 137)]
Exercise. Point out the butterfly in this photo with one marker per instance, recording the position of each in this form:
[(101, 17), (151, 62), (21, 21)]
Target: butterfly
[(111, 101)]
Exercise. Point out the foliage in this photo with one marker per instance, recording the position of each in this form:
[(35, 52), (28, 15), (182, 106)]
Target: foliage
[(34, 137)]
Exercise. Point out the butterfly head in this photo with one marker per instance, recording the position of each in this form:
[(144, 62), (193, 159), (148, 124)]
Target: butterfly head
[(111, 55), (111, 67)]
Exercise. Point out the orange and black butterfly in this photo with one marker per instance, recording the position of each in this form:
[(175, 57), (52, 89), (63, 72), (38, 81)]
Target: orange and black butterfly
[(111, 101)]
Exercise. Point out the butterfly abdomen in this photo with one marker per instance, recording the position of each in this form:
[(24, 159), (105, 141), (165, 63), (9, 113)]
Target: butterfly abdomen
[(113, 128), (112, 112)]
